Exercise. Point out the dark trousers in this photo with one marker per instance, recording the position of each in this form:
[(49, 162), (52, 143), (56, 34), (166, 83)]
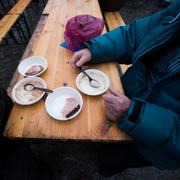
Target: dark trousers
[(116, 157)]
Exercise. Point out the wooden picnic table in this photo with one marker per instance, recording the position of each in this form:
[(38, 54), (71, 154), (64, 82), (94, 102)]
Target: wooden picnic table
[(33, 122)]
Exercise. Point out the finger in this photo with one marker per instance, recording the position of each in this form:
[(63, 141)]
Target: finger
[(109, 106), (111, 113), (115, 92), (108, 98), (108, 112), (75, 58), (107, 93), (73, 64), (81, 61)]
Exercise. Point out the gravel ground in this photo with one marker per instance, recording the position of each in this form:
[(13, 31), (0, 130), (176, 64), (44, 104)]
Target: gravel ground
[(136, 9), (72, 160)]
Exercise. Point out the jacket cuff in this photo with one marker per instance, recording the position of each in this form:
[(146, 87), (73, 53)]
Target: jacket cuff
[(132, 116), (89, 46), (153, 125), (98, 55)]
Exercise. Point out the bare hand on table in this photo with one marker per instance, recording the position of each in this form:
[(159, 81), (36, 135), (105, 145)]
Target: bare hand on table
[(116, 105), (80, 58)]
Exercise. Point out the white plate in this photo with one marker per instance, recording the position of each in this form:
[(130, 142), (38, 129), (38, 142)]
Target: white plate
[(29, 62), (55, 102), (26, 97), (82, 82)]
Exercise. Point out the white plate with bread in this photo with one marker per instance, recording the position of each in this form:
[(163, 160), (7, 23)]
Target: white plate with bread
[(64, 103), (32, 66)]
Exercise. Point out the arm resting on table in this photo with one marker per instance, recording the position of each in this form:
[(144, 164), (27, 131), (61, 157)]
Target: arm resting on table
[(120, 43)]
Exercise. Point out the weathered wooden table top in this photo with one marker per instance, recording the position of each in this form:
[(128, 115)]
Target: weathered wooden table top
[(33, 121)]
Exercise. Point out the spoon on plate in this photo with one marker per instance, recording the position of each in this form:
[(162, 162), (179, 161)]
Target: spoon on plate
[(31, 87), (93, 82)]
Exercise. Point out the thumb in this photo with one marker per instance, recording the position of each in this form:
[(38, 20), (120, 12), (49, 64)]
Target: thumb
[(115, 92)]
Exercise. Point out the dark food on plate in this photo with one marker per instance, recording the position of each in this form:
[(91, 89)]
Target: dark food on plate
[(34, 69), (71, 107)]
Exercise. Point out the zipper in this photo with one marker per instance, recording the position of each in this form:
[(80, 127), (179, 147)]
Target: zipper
[(173, 20)]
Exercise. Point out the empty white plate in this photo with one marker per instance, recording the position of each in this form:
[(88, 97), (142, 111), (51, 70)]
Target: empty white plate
[(31, 61), (24, 97), (56, 101), (82, 82)]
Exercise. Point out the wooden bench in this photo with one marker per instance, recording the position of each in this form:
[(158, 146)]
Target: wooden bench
[(9, 20), (6, 23), (114, 20), (19, 7)]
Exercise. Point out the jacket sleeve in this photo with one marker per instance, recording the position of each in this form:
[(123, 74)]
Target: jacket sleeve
[(152, 125), (120, 43)]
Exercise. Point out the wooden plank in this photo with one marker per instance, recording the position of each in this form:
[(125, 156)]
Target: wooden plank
[(33, 121), (114, 20), (6, 24), (49, 7), (12, 16), (19, 7)]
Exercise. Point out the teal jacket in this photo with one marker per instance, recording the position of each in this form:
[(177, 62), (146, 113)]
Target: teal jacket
[(156, 129)]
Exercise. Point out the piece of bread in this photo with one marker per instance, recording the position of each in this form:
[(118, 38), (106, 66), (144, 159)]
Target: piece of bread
[(71, 107), (33, 70)]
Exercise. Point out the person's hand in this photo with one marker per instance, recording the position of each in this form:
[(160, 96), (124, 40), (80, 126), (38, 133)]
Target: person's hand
[(116, 105), (80, 58)]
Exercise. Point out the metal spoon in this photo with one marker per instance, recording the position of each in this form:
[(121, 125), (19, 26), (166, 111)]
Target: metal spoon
[(94, 83), (31, 87)]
